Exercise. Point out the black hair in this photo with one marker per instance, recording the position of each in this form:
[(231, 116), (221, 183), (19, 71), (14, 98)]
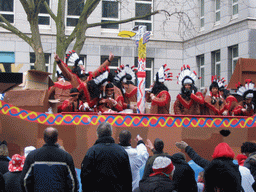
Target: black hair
[(125, 137), (223, 176), (248, 147), (158, 87), (214, 84), (93, 89), (109, 85), (158, 145), (74, 90)]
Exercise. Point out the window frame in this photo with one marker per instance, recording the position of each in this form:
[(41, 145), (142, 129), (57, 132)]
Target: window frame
[(150, 69), (111, 67), (42, 26), (70, 16), (234, 58), (143, 22), (47, 65), (200, 68), (202, 15), (216, 63), (103, 19), (10, 12), (232, 11), (217, 22)]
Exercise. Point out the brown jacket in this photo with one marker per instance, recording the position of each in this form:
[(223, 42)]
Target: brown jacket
[(188, 107), (161, 103), (214, 109)]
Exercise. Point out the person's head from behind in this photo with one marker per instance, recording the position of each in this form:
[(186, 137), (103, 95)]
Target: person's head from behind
[(125, 138), (163, 166), (4, 149), (248, 147), (104, 130), (220, 177), (50, 135), (223, 150), (158, 145)]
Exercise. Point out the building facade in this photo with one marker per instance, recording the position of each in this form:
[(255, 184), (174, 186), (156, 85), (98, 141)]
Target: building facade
[(209, 35)]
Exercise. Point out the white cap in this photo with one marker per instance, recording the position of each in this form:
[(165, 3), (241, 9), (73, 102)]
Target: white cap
[(28, 149), (187, 81)]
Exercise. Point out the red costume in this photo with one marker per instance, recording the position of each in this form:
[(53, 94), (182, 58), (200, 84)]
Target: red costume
[(113, 102), (189, 100), (245, 107), (160, 97)]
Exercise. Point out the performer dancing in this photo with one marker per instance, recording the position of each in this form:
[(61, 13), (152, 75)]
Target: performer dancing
[(246, 107), (88, 89), (189, 100), (159, 96)]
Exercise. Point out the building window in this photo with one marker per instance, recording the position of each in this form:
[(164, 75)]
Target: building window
[(200, 64), (47, 57), (6, 9), (233, 57), (43, 16), (149, 71), (234, 8), (202, 13), (116, 62), (74, 10), (110, 12), (216, 63), (143, 7), (217, 11)]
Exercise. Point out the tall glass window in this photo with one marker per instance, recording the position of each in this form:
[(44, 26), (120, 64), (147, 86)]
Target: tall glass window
[(74, 10), (143, 7), (110, 12), (7, 10), (217, 11)]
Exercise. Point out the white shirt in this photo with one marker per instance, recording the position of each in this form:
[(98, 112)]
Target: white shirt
[(137, 157), (247, 179)]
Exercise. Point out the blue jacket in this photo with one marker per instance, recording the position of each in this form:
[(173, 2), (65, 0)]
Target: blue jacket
[(49, 169)]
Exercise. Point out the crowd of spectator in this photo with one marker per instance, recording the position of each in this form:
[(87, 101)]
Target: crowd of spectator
[(115, 166)]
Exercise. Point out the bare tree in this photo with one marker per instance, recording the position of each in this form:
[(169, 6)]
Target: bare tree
[(78, 35)]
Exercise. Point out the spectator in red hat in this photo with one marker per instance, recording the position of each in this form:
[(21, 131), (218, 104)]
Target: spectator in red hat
[(12, 178), (161, 178), (223, 153)]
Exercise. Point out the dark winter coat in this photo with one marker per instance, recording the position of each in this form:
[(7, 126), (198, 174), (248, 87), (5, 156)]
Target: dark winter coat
[(2, 184), (250, 163), (158, 183), (184, 175), (12, 181), (106, 167), (4, 163), (49, 168), (205, 163)]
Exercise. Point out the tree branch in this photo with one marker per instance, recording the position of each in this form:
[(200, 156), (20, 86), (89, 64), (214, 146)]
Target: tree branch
[(8, 26), (123, 21), (53, 16), (25, 6)]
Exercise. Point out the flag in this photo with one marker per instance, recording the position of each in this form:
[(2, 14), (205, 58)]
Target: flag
[(146, 37)]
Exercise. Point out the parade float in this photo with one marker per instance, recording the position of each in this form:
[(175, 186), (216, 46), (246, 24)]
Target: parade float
[(24, 114)]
